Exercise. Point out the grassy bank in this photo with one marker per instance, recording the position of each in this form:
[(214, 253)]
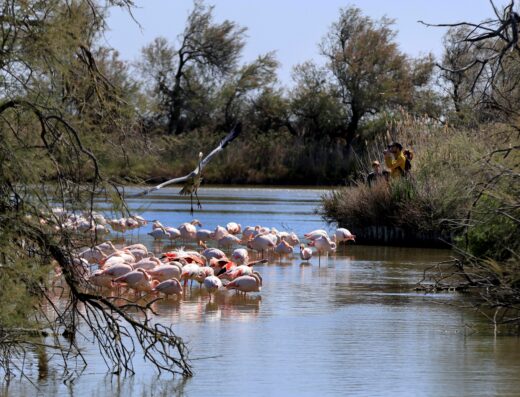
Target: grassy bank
[(435, 197)]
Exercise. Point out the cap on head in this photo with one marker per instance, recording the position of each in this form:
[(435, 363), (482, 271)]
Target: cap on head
[(397, 145)]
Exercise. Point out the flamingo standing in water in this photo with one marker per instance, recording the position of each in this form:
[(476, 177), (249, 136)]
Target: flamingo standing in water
[(219, 233), (159, 233), (188, 230), (242, 270), (291, 238), (166, 272), (343, 234), (284, 248), (220, 266), (117, 257), (233, 228), (212, 284), (147, 263), (209, 253), (245, 284), (117, 270), (305, 253), (173, 232), (240, 256), (315, 234), (323, 245), (169, 287), (190, 272), (203, 235), (138, 280), (228, 241), (92, 255), (100, 279), (261, 243)]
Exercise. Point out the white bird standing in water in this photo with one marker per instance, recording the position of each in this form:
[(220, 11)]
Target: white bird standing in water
[(228, 241), (174, 232), (165, 272)]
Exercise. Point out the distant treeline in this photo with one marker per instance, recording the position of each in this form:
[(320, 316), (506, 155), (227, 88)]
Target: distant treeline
[(148, 119)]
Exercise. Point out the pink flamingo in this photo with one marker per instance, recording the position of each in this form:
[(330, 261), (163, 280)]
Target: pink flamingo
[(137, 280), (247, 284), (233, 228), (305, 253), (240, 256), (212, 284), (343, 234), (169, 287), (165, 272)]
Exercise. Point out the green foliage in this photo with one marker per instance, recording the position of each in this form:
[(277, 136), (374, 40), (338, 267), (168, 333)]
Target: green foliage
[(492, 237), (371, 75), (182, 78)]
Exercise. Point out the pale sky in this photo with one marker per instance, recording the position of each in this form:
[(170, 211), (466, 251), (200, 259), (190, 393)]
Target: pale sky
[(293, 28)]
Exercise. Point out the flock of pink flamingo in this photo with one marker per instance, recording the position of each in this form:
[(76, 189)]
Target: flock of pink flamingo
[(228, 265)]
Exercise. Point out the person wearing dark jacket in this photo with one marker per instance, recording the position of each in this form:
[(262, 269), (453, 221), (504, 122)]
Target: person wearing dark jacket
[(377, 173)]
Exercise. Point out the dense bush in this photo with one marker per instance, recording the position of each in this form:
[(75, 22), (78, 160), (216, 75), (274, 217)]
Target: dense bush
[(435, 197)]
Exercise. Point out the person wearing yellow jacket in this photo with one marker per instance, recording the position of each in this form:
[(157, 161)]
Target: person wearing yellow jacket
[(395, 160)]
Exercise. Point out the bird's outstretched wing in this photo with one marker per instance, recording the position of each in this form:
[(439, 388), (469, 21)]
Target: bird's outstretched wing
[(223, 143)]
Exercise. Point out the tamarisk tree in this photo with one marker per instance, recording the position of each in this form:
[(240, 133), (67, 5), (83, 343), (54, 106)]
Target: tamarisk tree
[(56, 104)]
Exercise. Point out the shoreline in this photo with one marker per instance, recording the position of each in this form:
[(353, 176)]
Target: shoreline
[(400, 237)]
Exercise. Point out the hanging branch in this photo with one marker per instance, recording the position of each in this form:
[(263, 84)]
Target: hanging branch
[(502, 33)]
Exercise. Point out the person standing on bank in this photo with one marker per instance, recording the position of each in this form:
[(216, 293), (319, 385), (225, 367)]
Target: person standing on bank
[(395, 160), (377, 173)]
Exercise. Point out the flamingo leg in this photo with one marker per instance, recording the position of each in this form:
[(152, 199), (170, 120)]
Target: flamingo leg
[(199, 205)]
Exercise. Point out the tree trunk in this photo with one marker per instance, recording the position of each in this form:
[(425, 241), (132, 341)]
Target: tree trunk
[(352, 127), (176, 102)]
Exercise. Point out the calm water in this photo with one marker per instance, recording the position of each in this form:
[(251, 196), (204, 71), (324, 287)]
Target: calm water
[(353, 326)]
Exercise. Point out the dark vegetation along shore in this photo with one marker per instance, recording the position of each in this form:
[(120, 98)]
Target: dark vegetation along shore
[(77, 122)]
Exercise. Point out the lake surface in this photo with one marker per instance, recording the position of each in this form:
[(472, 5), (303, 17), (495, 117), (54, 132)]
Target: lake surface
[(352, 326)]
